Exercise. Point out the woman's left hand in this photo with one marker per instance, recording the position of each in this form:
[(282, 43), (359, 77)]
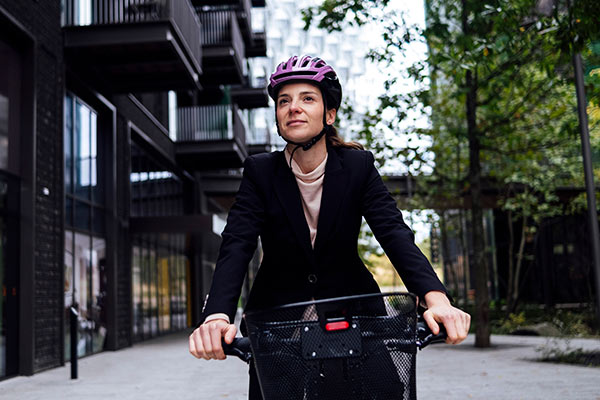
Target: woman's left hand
[(439, 310)]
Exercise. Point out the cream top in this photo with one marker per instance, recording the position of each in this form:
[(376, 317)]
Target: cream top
[(311, 190)]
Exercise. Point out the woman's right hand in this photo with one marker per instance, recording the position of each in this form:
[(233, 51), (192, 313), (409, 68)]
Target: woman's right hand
[(205, 341)]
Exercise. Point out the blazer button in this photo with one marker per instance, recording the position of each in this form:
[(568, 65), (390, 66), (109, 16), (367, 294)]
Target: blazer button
[(312, 278)]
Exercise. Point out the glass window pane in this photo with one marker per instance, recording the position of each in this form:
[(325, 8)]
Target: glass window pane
[(146, 289), (153, 291), (182, 297), (68, 143), (82, 215), (173, 293), (163, 290), (97, 180), (82, 151), (136, 279), (98, 221), (68, 290), (186, 286), (4, 104), (98, 293), (69, 211), (82, 267)]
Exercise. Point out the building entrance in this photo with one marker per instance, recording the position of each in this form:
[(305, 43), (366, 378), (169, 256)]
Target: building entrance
[(10, 103)]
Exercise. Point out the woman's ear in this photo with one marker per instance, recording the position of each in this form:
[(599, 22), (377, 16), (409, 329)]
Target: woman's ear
[(330, 117)]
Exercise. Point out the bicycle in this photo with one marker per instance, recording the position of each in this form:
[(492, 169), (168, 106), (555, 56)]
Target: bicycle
[(357, 347)]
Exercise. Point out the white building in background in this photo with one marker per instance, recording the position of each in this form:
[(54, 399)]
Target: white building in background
[(345, 51)]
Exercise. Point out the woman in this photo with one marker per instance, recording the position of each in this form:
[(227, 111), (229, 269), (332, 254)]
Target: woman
[(307, 207)]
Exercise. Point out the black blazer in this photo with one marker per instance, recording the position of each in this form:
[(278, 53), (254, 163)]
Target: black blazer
[(268, 205)]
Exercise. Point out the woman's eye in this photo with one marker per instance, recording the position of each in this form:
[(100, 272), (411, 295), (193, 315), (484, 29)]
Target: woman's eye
[(282, 101), (308, 98)]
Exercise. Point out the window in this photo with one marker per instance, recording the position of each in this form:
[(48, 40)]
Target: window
[(85, 245), (159, 275)]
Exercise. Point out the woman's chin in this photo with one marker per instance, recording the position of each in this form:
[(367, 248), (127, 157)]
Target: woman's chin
[(298, 138)]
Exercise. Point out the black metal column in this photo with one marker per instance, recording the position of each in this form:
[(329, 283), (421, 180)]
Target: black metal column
[(589, 173)]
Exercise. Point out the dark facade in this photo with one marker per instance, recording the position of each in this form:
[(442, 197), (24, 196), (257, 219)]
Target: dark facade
[(122, 124)]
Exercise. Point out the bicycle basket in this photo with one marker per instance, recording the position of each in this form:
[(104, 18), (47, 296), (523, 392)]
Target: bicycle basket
[(358, 347)]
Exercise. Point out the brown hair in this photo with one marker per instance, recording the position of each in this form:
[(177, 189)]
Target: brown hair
[(334, 139)]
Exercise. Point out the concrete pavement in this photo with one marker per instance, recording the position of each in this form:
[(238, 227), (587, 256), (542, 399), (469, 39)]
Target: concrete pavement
[(163, 369)]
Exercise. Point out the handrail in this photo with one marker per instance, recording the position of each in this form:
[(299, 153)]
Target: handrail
[(115, 12), (239, 126), (215, 122), (221, 28)]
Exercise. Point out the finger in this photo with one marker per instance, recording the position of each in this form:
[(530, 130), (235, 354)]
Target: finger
[(431, 322), (198, 344), (467, 323), (193, 346), (449, 322), (206, 342), (216, 335), (460, 329), (230, 334)]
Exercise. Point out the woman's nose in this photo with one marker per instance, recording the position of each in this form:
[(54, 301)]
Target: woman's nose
[(294, 106)]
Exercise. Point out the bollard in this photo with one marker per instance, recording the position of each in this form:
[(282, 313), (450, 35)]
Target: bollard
[(73, 322)]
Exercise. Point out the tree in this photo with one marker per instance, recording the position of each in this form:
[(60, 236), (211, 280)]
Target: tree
[(491, 66)]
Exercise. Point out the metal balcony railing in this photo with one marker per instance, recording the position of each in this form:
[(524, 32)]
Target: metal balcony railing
[(180, 13), (220, 28), (246, 16), (204, 123)]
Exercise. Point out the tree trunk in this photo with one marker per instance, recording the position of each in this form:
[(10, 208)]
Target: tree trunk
[(482, 298)]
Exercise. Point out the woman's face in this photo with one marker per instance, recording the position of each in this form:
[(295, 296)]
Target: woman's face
[(300, 111)]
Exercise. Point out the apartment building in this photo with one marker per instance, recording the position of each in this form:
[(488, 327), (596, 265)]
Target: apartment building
[(123, 127)]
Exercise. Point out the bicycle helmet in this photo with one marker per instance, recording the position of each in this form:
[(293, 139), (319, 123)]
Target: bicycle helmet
[(312, 70)]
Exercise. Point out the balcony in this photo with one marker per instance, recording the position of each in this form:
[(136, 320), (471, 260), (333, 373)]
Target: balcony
[(210, 137), (250, 97), (134, 45), (199, 3), (244, 15), (223, 48), (202, 3), (258, 46)]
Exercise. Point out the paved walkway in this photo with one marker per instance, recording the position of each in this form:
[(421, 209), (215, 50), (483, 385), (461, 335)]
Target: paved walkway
[(163, 369)]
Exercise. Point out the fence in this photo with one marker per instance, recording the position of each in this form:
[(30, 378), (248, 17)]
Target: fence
[(217, 122)]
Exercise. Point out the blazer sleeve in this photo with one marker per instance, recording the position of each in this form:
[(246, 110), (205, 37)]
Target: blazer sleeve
[(396, 238), (239, 242)]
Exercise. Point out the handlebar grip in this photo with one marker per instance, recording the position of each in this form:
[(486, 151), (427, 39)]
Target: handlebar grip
[(240, 347), (425, 337)]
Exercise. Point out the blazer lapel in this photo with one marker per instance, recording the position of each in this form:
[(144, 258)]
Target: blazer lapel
[(334, 188), (288, 193)]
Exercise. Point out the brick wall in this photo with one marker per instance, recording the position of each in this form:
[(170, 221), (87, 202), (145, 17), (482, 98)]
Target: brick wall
[(42, 20)]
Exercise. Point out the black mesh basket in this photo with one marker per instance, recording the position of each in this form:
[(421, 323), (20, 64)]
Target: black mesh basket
[(358, 347)]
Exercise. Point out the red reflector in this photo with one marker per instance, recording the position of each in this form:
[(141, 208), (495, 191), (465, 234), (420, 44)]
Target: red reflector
[(336, 326)]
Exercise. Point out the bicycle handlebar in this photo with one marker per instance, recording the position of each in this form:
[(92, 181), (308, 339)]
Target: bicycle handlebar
[(240, 347), (425, 337)]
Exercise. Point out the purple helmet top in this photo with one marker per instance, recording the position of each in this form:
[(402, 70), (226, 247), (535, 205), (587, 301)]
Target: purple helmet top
[(304, 68), (311, 69)]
